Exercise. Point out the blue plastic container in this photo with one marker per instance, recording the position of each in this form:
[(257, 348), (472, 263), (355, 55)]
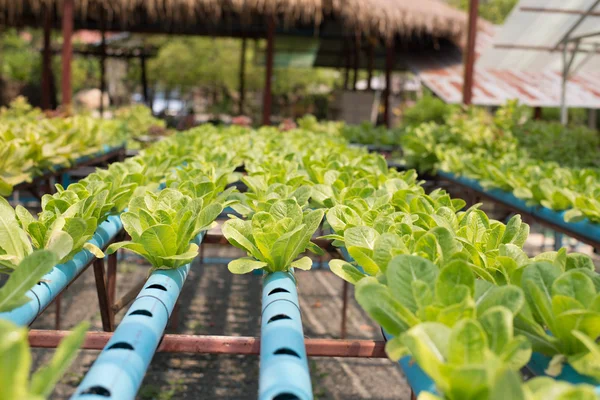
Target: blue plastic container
[(283, 362), (119, 370), (54, 282)]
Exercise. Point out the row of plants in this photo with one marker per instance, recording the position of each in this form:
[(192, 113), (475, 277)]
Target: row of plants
[(540, 163), (453, 288), (32, 144), (160, 222)]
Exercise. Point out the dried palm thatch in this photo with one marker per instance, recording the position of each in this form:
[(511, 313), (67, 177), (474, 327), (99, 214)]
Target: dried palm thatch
[(383, 18)]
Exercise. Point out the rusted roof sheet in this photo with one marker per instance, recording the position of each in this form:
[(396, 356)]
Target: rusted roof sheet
[(442, 72)]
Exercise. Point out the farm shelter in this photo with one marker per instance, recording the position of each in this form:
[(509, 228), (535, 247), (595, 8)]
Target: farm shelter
[(355, 30), (523, 59)]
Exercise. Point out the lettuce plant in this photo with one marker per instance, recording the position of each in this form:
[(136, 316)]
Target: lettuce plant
[(162, 226), (563, 298), (274, 238), (15, 379)]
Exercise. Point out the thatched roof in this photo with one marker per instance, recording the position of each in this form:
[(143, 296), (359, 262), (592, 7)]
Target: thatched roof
[(382, 18)]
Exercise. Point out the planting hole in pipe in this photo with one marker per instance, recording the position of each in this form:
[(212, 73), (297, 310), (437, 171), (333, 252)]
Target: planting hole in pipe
[(121, 345), (141, 312), (278, 290), (157, 286), (286, 396), (287, 351), (96, 390), (278, 317)]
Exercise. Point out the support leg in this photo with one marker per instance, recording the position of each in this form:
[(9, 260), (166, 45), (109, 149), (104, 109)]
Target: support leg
[(106, 312), (57, 307), (111, 285), (344, 310)]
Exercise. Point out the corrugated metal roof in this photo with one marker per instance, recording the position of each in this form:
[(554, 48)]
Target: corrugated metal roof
[(442, 72)]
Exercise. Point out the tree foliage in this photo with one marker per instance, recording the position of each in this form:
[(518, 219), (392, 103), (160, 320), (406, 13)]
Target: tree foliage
[(494, 11)]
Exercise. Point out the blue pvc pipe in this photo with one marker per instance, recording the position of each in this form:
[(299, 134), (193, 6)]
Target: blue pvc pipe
[(283, 361), (539, 363), (585, 228), (417, 379), (61, 275), (119, 370)]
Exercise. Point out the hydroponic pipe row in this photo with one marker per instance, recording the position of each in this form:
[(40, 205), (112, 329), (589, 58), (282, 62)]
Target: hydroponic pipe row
[(53, 283)]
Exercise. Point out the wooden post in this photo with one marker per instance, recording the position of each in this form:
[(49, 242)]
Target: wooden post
[(67, 54), (537, 113), (356, 61), (268, 95), (389, 66), (347, 66), (370, 66), (102, 63), (469, 61), (144, 80), (242, 77), (46, 60)]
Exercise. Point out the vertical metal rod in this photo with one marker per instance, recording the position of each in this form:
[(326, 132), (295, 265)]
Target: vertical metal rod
[(268, 95), (46, 59), (67, 54), (564, 115), (242, 77), (343, 329), (469, 60), (537, 113), (389, 65), (103, 302), (57, 304), (347, 66), (144, 81), (102, 63)]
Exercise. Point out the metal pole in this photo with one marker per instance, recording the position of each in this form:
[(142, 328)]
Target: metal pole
[(46, 60), (469, 61), (564, 115), (103, 300), (219, 344), (242, 77), (268, 95), (389, 65), (67, 54)]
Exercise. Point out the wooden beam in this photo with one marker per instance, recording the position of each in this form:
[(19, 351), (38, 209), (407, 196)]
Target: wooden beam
[(389, 66), (268, 94), (242, 77), (67, 54), (469, 61), (370, 66), (144, 78), (356, 62), (47, 60), (102, 63)]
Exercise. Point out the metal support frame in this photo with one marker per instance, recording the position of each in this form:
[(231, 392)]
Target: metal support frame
[(206, 344), (144, 78)]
